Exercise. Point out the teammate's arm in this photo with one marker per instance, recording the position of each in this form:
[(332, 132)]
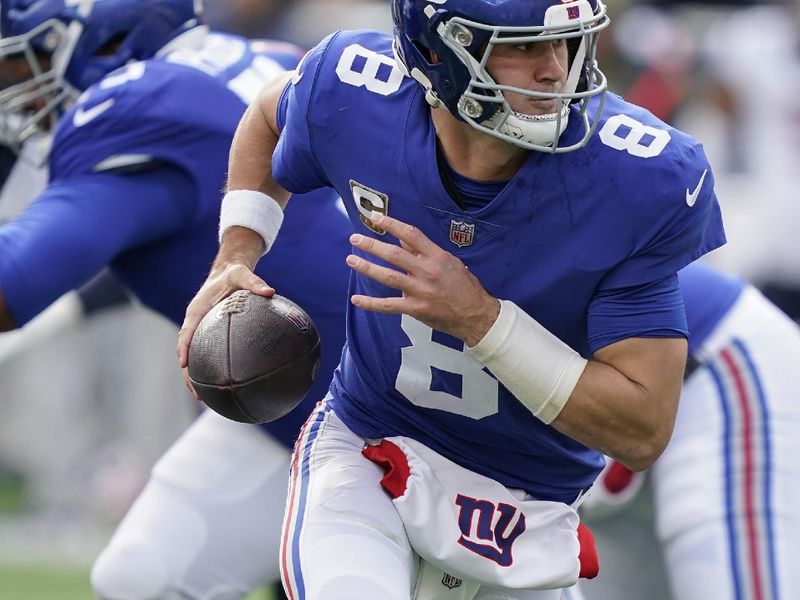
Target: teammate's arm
[(249, 168), (77, 226)]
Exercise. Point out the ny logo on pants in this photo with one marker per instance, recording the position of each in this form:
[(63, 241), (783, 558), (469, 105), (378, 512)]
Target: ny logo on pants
[(493, 534)]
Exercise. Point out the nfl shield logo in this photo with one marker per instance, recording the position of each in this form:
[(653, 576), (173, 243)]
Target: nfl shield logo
[(461, 233), (298, 319), (450, 581)]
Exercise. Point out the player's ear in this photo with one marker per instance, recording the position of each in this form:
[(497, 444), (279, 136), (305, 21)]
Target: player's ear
[(435, 58)]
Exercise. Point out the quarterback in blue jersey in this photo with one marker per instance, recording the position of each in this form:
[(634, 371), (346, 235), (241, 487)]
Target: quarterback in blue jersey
[(136, 168), (714, 517), (515, 309)]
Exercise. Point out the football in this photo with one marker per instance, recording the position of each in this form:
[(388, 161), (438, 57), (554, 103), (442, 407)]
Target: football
[(252, 359)]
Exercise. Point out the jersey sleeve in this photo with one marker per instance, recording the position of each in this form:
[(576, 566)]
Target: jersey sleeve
[(78, 226), (99, 133), (652, 310), (294, 164), (682, 223)]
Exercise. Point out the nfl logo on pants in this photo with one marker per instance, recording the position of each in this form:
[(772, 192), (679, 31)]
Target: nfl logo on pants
[(461, 233), (451, 581)]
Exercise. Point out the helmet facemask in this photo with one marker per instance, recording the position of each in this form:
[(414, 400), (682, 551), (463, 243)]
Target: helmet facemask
[(32, 102), (483, 103)]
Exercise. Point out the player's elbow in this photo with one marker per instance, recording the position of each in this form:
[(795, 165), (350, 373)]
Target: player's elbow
[(644, 448), (640, 461)]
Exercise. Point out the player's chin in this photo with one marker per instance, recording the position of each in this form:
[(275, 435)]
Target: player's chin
[(536, 108)]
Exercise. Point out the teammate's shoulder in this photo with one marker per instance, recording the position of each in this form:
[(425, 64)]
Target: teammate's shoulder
[(138, 90), (701, 276), (101, 113), (134, 107), (284, 53)]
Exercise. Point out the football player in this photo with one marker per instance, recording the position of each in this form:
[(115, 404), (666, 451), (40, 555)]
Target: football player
[(722, 520), (515, 309), (145, 101)]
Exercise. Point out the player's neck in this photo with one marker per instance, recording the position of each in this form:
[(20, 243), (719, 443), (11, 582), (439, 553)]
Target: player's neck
[(474, 154)]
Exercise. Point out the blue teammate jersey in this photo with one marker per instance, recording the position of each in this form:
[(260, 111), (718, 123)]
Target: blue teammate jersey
[(587, 242), (708, 295), (171, 120)]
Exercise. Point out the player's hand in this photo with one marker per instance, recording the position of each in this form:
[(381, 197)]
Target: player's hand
[(220, 284), (188, 383), (437, 288)]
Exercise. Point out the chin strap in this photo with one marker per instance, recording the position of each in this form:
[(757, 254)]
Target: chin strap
[(542, 130)]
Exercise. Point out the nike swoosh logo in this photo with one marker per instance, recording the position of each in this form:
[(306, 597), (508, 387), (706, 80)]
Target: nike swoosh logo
[(297, 76), (691, 197), (81, 117)]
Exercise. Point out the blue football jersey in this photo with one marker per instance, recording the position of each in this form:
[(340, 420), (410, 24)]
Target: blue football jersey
[(708, 295), (567, 239), (168, 123)]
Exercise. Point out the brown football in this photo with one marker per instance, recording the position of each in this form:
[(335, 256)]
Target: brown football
[(253, 359)]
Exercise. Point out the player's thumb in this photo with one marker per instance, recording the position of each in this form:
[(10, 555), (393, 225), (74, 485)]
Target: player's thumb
[(241, 277), (258, 286)]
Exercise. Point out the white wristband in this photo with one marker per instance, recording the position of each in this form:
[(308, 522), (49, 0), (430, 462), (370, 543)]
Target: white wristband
[(254, 210), (537, 367)]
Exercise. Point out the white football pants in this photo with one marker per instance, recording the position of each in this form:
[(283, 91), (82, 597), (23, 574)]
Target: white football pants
[(207, 525), (343, 538)]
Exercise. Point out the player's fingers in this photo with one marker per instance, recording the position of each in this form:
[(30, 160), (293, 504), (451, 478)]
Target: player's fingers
[(391, 253), (388, 277), (234, 277), (185, 334), (412, 236), (197, 309), (393, 306), (189, 385)]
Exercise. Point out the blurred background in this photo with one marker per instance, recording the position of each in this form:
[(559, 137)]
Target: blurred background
[(89, 404)]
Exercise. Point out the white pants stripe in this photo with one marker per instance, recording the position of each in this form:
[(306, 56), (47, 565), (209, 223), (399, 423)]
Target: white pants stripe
[(291, 573), (747, 466)]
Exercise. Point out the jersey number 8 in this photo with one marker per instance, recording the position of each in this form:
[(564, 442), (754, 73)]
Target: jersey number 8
[(362, 67), (479, 390)]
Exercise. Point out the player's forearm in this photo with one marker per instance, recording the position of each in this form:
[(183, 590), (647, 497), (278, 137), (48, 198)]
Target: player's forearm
[(622, 403), (239, 246), (629, 417), (250, 215), (250, 161)]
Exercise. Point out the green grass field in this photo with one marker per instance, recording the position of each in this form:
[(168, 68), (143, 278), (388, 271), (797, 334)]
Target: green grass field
[(43, 582), (49, 582)]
